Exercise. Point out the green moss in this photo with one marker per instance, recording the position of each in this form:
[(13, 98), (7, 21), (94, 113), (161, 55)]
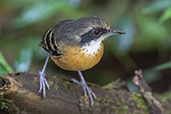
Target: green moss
[(136, 97), (56, 87), (109, 86), (30, 111), (168, 111), (121, 109), (164, 98), (54, 76), (66, 84), (6, 105), (23, 112), (104, 100)]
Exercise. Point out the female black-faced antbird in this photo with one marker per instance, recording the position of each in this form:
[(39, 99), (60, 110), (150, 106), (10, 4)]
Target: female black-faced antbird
[(76, 45)]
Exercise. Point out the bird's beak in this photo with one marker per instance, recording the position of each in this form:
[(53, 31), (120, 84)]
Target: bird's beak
[(115, 32)]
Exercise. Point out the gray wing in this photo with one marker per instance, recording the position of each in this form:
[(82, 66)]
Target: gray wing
[(50, 41)]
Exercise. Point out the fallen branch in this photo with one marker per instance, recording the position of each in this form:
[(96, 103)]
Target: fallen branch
[(154, 105), (19, 95)]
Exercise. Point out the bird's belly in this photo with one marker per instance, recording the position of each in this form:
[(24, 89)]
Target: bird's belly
[(75, 59)]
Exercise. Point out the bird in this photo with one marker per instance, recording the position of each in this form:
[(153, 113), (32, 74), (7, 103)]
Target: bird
[(76, 45)]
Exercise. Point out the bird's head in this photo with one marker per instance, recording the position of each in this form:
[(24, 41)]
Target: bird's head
[(87, 32), (92, 29)]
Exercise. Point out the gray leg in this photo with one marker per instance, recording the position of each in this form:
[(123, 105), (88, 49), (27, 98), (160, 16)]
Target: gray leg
[(43, 81), (86, 89)]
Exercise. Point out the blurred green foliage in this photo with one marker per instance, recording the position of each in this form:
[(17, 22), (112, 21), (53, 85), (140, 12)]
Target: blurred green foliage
[(163, 66), (21, 64), (166, 15), (23, 61), (156, 6), (36, 11), (4, 66), (147, 25)]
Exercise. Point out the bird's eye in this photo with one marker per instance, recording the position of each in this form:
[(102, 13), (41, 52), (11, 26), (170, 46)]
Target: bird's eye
[(96, 32)]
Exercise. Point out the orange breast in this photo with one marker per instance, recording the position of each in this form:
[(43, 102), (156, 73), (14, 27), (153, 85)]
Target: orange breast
[(75, 59)]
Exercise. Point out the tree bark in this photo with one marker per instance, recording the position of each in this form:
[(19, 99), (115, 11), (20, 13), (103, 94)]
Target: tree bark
[(19, 94)]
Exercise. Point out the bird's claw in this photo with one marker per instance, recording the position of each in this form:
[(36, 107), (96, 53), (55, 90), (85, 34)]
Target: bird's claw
[(86, 89), (43, 83)]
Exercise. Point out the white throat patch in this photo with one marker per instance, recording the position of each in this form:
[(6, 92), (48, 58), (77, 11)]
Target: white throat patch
[(92, 47)]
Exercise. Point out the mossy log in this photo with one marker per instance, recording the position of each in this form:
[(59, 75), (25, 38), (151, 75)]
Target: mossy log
[(19, 95)]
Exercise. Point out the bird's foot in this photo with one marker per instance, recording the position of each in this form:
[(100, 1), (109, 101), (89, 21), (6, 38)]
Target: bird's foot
[(86, 89), (43, 83)]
